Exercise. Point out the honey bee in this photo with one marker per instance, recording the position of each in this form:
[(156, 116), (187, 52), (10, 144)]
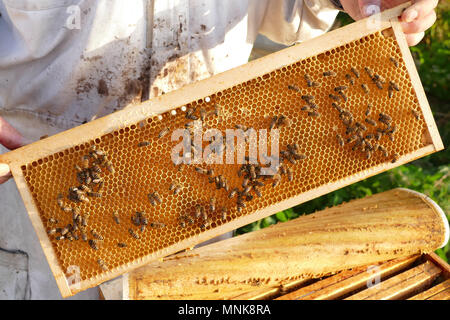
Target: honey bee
[(53, 221), (368, 145), (97, 181), (307, 97), (313, 114), (295, 88), (370, 121), (273, 122), (384, 118), (94, 194), (416, 114), (365, 88), (379, 85), (189, 112), (212, 204), (369, 136), (84, 236), (394, 86), (135, 220), (201, 170), (394, 61), (122, 245), (290, 174), (350, 129), (379, 78), (241, 127), (198, 211), (329, 73), (58, 238), (344, 97), (369, 72), (314, 84), (252, 172), (176, 190), (59, 200), (157, 197), (93, 244), (385, 153), (233, 193), (157, 225), (368, 110), (340, 140), (102, 265), (334, 97), (116, 217), (355, 72), (336, 106), (378, 135), (350, 79), (276, 180), (163, 132), (205, 224), (85, 188), (110, 167), (284, 121), (395, 158), (133, 234), (340, 88), (64, 231), (361, 126), (96, 169), (224, 213), (51, 231), (390, 92), (203, 114), (257, 191), (96, 235)]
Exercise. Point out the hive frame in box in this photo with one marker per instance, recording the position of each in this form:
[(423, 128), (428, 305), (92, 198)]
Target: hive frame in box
[(100, 127)]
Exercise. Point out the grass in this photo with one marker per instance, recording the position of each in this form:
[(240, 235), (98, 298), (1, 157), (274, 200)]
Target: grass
[(429, 175)]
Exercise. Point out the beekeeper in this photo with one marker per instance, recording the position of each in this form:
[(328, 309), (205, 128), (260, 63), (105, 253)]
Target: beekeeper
[(67, 62)]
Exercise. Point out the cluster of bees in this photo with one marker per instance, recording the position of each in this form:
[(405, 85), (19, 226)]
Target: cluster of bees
[(357, 132), (89, 177)]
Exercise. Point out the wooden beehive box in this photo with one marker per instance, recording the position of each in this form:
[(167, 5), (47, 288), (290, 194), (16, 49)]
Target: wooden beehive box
[(372, 238), (250, 95), (417, 277)]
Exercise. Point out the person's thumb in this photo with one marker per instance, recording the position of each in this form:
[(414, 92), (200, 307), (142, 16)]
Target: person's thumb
[(369, 7), (5, 173), (10, 137)]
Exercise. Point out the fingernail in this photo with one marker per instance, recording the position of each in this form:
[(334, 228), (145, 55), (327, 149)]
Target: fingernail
[(411, 15), (370, 9), (4, 169)]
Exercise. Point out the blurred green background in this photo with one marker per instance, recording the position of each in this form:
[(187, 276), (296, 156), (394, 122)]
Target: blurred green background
[(429, 175)]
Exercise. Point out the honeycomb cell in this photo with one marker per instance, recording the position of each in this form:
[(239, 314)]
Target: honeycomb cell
[(140, 171)]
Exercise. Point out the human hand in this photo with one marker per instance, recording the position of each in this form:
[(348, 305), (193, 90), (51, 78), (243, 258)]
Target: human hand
[(11, 139), (415, 19)]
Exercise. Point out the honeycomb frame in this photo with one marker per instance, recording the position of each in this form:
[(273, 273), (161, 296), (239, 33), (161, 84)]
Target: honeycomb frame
[(25, 161)]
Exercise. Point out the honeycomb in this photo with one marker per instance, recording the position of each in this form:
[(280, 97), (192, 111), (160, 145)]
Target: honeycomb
[(143, 168)]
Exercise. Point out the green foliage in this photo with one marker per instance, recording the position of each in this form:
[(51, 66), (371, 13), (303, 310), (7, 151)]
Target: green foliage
[(429, 175)]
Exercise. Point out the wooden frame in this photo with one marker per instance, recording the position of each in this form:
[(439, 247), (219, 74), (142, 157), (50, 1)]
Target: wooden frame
[(90, 131)]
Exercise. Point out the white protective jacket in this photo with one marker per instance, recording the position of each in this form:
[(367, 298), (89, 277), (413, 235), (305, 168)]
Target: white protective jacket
[(65, 62)]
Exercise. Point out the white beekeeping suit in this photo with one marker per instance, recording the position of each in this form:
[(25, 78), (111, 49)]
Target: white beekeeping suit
[(66, 62)]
